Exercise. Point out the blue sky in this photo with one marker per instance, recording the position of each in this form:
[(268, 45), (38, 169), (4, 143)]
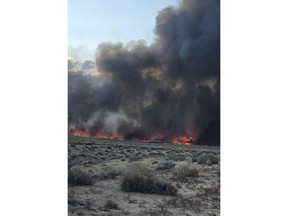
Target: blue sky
[(91, 22)]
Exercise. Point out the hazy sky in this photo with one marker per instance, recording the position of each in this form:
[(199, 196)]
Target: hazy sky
[(91, 22)]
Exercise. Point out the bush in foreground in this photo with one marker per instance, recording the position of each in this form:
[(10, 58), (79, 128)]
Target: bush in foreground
[(139, 178), (77, 176)]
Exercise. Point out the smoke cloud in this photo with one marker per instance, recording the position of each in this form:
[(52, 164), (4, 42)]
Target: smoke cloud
[(167, 89)]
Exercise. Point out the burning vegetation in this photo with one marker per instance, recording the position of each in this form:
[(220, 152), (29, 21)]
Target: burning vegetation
[(167, 91)]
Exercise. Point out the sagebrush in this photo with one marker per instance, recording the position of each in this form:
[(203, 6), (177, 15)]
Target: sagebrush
[(186, 170), (139, 178), (207, 159), (77, 176)]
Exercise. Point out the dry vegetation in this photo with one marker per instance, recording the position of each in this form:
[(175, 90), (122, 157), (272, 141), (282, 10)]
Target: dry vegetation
[(183, 170), (138, 178), (77, 176), (135, 178)]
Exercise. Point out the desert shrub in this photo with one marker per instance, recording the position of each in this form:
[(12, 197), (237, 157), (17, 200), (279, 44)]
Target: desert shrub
[(207, 159), (186, 170), (214, 159), (110, 204), (154, 162), (111, 171), (139, 178), (77, 176), (165, 165), (212, 190), (111, 174), (133, 158), (194, 159), (177, 157)]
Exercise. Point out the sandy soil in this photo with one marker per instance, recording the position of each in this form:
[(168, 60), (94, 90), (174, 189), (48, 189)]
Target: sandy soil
[(107, 160)]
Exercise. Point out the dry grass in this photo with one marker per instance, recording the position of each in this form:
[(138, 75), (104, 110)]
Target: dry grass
[(195, 196)]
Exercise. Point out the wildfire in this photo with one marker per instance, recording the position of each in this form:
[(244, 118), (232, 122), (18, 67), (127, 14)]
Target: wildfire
[(98, 135), (80, 133), (184, 140), (181, 140)]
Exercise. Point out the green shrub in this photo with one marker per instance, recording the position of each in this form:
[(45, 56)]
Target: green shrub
[(139, 178), (77, 176)]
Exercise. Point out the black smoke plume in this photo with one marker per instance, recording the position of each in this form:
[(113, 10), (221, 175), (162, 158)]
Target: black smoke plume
[(169, 88)]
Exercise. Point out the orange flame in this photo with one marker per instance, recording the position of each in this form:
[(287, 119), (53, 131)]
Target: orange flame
[(80, 133), (98, 135), (181, 140), (184, 140)]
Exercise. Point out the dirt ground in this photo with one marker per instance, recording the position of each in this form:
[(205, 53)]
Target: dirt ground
[(106, 161)]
